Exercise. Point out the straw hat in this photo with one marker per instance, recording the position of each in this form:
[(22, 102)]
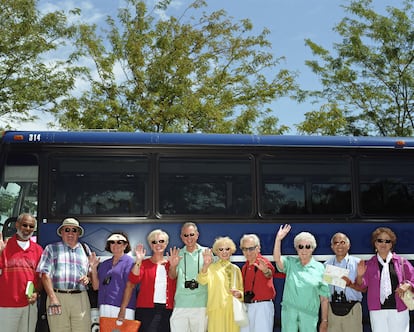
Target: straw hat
[(70, 222)]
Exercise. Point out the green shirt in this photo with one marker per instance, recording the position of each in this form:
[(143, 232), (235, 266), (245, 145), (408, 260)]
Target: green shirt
[(188, 268), (303, 285)]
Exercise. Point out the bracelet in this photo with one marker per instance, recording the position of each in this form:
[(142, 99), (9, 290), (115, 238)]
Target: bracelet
[(324, 320)]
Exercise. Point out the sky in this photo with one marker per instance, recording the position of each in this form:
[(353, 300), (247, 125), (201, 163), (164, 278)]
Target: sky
[(290, 22)]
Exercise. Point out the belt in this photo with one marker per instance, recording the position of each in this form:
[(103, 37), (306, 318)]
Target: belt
[(257, 301), (68, 291)]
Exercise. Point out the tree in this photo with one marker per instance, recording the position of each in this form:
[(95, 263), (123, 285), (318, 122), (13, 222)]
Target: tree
[(181, 74), (370, 79), (28, 82)]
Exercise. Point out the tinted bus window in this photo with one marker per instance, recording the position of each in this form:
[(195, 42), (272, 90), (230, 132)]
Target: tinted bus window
[(306, 185), (99, 186), (205, 186), (387, 186)]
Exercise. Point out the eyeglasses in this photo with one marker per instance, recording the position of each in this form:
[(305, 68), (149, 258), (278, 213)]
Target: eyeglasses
[(383, 241), (156, 242), (73, 230), (221, 249), (248, 248), (301, 246), (337, 243), (117, 242), (28, 226), (187, 235)]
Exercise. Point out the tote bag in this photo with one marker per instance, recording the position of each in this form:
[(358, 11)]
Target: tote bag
[(107, 324), (408, 296), (239, 308)]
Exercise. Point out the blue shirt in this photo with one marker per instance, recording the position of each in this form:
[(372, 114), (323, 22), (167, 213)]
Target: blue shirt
[(350, 263)]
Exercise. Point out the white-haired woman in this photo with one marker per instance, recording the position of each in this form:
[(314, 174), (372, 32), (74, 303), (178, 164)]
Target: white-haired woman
[(304, 290), (223, 280), (156, 295)]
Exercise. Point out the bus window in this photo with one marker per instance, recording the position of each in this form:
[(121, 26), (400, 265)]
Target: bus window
[(313, 185), (19, 189), (100, 186), (387, 186), (205, 186)]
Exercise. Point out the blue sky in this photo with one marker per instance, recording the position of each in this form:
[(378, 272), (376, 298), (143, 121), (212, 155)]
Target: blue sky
[(289, 21)]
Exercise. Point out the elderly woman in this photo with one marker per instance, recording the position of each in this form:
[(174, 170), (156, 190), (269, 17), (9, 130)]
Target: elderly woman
[(156, 295), (111, 276), (223, 280), (386, 276), (304, 290)]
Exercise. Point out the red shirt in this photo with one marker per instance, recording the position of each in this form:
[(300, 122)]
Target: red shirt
[(17, 267), (146, 279), (254, 280)]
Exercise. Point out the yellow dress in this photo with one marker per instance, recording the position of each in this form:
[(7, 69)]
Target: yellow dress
[(219, 279)]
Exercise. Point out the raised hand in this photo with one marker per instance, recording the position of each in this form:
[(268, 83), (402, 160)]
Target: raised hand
[(93, 260), (140, 252), (173, 256), (207, 257), (283, 231)]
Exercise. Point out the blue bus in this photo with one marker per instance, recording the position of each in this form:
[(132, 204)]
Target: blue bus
[(227, 184)]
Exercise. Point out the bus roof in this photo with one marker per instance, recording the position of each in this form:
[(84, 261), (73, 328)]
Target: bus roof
[(135, 138)]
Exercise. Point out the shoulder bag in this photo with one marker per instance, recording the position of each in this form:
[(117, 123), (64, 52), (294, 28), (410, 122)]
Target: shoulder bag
[(239, 308), (408, 296)]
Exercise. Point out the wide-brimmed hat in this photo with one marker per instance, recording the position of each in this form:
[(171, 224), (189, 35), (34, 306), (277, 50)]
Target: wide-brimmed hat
[(70, 222), (117, 237)]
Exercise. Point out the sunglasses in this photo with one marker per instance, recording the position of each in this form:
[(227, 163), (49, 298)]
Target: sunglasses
[(28, 226), (159, 241), (301, 246), (187, 235), (221, 249), (117, 242), (73, 230), (248, 248), (337, 243), (383, 241)]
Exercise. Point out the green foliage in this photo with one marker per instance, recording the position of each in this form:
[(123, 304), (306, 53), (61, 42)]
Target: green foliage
[(27, 81), (370, 79), (200, 72)]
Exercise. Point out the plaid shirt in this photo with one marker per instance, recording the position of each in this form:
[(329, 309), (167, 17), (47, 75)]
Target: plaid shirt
[(64, 265)]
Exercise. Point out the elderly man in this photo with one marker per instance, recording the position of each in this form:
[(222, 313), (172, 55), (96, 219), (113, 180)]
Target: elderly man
[(64, 268), (189, 314), (345, 311), (259, 290), (19, 282)]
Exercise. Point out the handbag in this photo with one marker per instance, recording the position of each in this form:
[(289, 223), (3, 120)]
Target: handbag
[(408, 295), (342, 308), (107, 324), (239, 308)]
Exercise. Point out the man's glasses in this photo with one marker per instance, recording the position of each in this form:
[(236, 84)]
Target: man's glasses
[(337, 243), (383, 241), (226, 249), (28, 226), (73, 230), (248, 248), (156, 242), (187, 235), (117, 242), (307, 246)]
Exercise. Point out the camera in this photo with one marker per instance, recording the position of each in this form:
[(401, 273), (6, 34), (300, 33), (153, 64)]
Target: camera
[(339, 297), (107, 280), (191, 284), (248, 296)]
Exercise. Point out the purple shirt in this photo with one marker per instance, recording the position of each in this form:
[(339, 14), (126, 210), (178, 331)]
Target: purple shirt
[(112, 281), (372, 278)]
